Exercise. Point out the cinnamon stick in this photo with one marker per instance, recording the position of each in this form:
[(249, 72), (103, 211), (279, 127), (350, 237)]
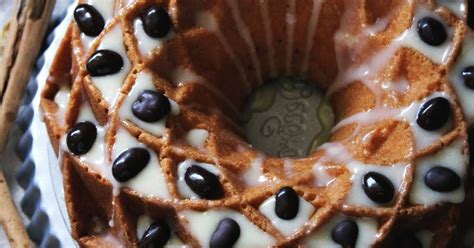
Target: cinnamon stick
[(25, 34)]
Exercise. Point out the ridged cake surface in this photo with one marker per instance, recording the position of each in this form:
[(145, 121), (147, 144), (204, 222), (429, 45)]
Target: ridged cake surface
[(144, 102)]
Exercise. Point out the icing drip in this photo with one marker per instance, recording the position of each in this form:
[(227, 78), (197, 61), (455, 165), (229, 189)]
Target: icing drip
[(197, 138), (458, 7), (183, 188), (151, 180), (106, 9), (290, 31), (245, 34), (110, 85), (254, 174), (287, 227), (450, 156), (182, 76), (144, 81), (313, 25), (61, 99), (203, 224), (207, 21), (322, 178), (465, 59), (322, 236), (146, 44), (357, 196), (267, 25)]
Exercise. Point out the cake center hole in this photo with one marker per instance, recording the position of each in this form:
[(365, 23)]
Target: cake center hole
[(288, 117)]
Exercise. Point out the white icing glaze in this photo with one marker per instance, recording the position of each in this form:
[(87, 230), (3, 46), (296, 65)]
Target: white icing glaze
[(267, 25), (203, 224), (410, 38), (110, 85), (357, 196), (245, 34), (183, 188), (181, 76), (62, 99), (144, 221), (450, 156), (147, 44), (458, 7), (422, 138), (287, 227), (207, 20), (312, 26), (254, 174), (321, 177), (425, 237), (106, 9), (290, 33), (197, 138), (97, 155), (151, 180), (144, 81), (368, 229), (465, 59)]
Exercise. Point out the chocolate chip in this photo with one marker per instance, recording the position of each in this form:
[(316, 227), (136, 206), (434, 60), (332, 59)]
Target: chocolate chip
[(287, 203), (432, 31), (151, 106), (104, 62), (129, 163), (203, 183), (442, 179), (378, 187), (345, 233), (468, 77), (156, 22), (434, 114), (81, 137), (226, 234), (157, 235), (89, 20)]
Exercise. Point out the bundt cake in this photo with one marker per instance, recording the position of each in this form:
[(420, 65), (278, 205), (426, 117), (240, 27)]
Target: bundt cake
[(144, 106)]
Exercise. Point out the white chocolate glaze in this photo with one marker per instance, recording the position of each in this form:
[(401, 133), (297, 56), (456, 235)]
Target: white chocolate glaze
[(287, 227), (146, 44), (458, 7), (247, 37), (184, 190), (110, 85), (203, 224), (357, 196), (254, 174), (267, 25), (151, 180), (321, 176), (425, 237), (106, 9), (144, 81), (312, 26), (290, 20), (207, 20), (144, 221), (465, 59), (62, 99), (97, 155), (452, 157), (197, 138), (368, 229)]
